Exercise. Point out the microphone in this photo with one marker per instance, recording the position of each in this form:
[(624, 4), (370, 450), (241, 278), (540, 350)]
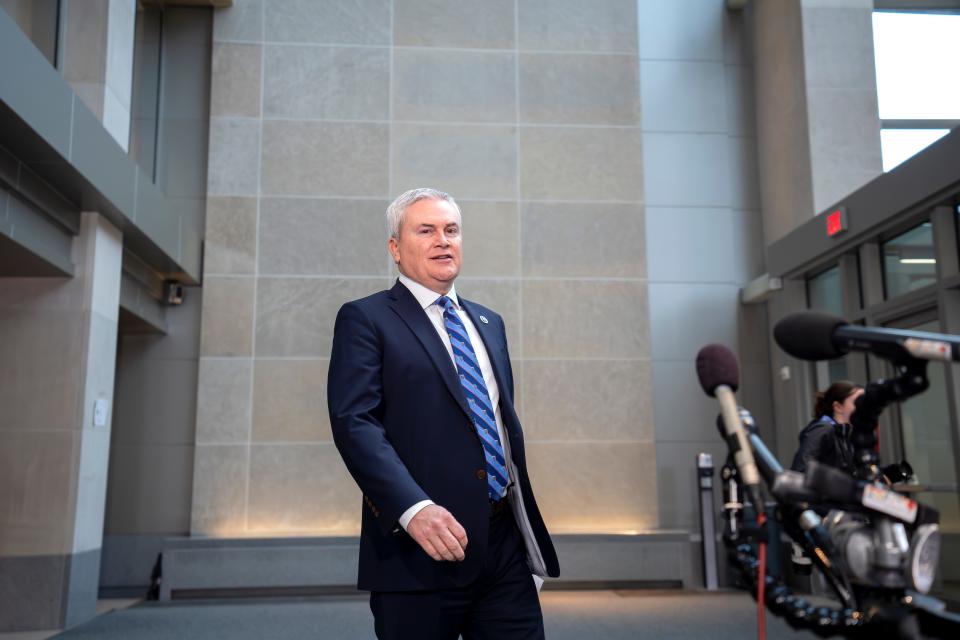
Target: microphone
[(838, 486), (810, 335), (719, 376), (784, 484), (767, 463)]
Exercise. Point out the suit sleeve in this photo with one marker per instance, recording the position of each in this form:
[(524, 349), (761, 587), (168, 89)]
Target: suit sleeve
[(355, 402)]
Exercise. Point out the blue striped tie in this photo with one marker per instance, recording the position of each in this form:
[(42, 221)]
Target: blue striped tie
[(481, 409)]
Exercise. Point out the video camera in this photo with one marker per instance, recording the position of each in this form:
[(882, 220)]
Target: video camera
[(877, 549)]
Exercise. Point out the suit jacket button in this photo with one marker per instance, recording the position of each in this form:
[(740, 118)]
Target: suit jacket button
[(481, 474)]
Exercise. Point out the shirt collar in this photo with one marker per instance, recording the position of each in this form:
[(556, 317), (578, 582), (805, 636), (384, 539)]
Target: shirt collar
[(425, 296)]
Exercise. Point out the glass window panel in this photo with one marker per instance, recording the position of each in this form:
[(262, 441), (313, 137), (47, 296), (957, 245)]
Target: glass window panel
[(908, 261), (927, 441), (838, 369), (146, 87), (824, 292), (956, 224), (829, 371), (899, 145), (916, 56), (38, 20)]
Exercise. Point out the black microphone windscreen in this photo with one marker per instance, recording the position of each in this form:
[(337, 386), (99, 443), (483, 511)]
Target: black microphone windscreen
[(717, 365), (808, 335)]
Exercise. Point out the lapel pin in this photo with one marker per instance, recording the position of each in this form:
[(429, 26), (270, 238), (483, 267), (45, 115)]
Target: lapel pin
[(484, 320)]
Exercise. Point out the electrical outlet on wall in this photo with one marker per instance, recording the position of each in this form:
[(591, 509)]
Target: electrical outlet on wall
[(101, 410)]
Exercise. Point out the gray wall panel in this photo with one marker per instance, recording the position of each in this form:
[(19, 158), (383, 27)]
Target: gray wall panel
[(37, 233), (47, 107), (100, 160), (31, 592)]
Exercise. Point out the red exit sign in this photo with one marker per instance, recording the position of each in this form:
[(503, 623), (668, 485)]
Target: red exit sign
[(836, 222)]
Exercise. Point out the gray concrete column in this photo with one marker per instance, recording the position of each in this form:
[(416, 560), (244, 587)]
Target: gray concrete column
[(818, 128), (97, 59), (58, 340)]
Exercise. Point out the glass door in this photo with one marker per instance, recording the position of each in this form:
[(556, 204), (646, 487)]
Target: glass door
[(927, 444)]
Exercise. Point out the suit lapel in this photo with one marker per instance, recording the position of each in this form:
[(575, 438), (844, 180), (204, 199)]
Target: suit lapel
[(405, 305), (492, 342)]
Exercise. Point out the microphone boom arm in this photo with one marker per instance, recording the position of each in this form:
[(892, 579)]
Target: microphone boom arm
[(910, 381)]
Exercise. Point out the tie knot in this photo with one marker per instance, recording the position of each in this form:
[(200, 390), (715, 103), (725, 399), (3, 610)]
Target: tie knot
[(445, 303)]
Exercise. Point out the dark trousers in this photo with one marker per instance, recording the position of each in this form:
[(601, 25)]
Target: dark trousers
[(501, 604)]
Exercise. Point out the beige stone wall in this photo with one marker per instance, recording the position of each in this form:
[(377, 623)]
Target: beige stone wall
[(529, 113)]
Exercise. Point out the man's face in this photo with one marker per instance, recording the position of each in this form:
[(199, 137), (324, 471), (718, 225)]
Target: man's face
[(428, 249)]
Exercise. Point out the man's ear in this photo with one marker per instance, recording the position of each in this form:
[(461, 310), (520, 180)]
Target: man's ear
[(394, 248)]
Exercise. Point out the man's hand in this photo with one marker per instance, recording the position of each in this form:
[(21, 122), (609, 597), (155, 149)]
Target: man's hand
[(438, 533)]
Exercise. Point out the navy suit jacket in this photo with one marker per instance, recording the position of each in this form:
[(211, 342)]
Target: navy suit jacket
[(401, 422)]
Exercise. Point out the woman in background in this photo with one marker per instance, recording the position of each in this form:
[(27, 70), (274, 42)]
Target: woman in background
[(826, 438)]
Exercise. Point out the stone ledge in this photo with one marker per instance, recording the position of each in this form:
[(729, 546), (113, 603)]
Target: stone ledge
[(224, 567)]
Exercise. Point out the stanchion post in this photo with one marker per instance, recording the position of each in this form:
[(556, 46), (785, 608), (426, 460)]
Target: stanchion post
[(708, 528)]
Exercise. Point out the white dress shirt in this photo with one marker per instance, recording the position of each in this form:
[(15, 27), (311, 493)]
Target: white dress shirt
[(427, 298)]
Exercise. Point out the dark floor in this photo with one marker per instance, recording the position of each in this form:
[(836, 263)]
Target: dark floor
[(569, 615)]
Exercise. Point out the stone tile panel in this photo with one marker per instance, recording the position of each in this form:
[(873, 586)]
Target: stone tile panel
[(223, 401), (302, 488), (243, 20), (570, 163), (572, 25), (347, 22), (339, 83), (290, 400), (235, 75), (440, 23), (588, 400), (579, 89), (621, 477), (220, 477), (227, 321), (491, 240), (324, 158), (465, 160), (231, 235), (234, 163), (306, 236), (454, 86), (295, 316), (585, 319), (583, 240)]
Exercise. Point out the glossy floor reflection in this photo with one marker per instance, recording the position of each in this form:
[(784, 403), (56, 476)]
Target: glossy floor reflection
[(569, 615)]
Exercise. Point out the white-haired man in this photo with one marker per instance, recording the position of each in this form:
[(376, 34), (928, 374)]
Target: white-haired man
[(420, 393)]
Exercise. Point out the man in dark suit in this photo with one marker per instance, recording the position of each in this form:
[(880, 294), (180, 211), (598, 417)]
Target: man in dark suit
[(420, 393)]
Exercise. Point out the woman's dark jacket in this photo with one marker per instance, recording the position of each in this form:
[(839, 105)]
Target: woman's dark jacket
[(826, 442)]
